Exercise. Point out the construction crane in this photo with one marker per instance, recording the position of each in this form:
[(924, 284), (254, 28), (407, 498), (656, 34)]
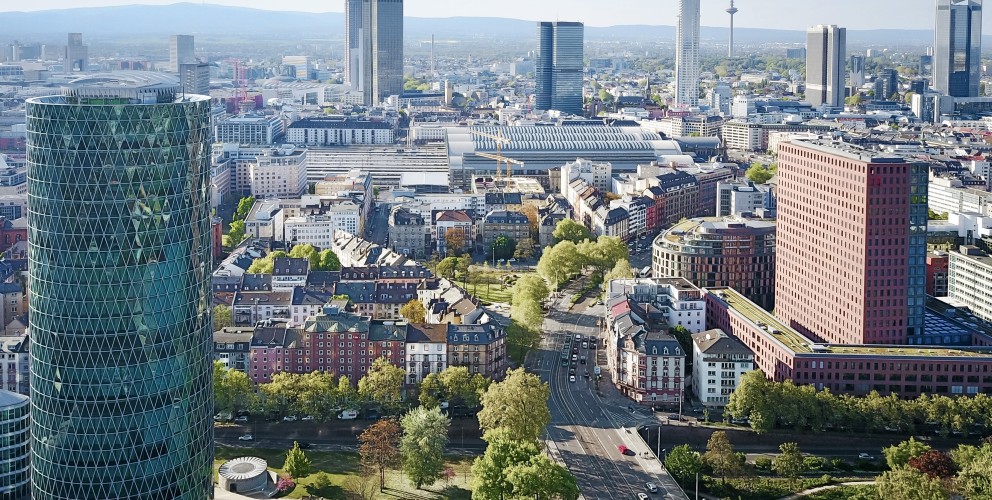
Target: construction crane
[(500, 141)]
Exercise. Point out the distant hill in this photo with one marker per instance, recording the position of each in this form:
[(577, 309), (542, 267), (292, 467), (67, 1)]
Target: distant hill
[(111, 22)]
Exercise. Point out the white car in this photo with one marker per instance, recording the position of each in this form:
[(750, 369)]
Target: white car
[(865, 456), (651, 487), (571, 378), (289, 418), (307, 418), (348, 415), (246, 437)]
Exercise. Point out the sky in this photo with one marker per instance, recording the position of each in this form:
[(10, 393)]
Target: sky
[(776, 14)]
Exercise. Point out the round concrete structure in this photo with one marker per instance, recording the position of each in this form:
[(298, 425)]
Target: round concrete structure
[(243, 474)]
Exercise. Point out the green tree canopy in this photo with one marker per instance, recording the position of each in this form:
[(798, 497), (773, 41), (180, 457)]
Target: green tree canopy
[(383, 383), (265, 265), (570, 230), (524, 249), (490, 480), (899, 455), (540, 477), (684, 463), (425, 434), (620, 271), (244, 208), (431, 391), (328, 261), (502, 247), (720, 456), (518, 404), (447, 267), (760, 174), (233, 391), (975, 476), (789, 463), (297, 463), (908, 484), (222, 317), (237, 233), (559, 263), (413, 311)]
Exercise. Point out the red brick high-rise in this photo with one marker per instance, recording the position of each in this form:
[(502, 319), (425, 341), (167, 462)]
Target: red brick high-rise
[(849, 231)]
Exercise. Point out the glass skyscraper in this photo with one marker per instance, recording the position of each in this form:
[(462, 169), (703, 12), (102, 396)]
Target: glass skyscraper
[(958, 47), (687, 65), (119, 264), (559, 66), (374, 47), (826, 60)]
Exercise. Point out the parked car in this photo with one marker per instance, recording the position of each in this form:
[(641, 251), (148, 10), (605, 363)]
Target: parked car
[(348, 415), (865, 456), (307, 418), (222, 416), (289, 418), (246, 437), (372, 415), (241, 420)]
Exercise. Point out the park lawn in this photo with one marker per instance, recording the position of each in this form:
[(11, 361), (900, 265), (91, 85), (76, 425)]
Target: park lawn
[(763, 488), (344, 466), (864, 492)]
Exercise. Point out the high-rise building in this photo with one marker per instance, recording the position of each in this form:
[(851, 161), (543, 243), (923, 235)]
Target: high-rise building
[(889, 79), (851, 244), (687, 54), (119, 260), (958, 47), (374, 48), (15, 455), (857, 72), (181, 51), (195, 78), (559, 66), (826, 54), (76, 56)]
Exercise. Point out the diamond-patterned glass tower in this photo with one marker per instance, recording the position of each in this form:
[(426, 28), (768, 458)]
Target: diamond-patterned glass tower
[(119, 248)]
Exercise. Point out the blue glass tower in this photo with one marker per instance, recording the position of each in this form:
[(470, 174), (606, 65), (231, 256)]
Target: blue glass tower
[(119, 249)]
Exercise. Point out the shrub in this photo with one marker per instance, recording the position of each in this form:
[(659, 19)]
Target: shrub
[(814, 463), (840, 464), (826, 479), (763, 463), (285, 484)]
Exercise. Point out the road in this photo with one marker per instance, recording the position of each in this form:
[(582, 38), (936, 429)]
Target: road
[(587, 425), (378, 224)]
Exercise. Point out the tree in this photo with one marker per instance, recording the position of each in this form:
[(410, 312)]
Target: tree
[(721, 458), (570, 230), (425, 434), (237, 233), (489, 478), (760, 174), (754, 399), (604, 253), (684, 338), (542, 478), (328, 261), (431, 391), (524, 250), (502, 247), (454, 240), (414, 311), (265, 265), (346, 392), (363, 485), (222, 317), (244, 208), (519, 404), (620, 271), (559, 263), (447, 267), (383, 382), (975, 478), (908, 484), (379, 447), (316, 392), (684, 463), (233, 392), (899, 455), (530, 211), (306, 251), (297, 463), (789, 463), (934, 463)]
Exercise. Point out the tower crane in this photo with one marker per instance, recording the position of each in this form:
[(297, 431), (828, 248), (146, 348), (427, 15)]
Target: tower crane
[(500, 141)]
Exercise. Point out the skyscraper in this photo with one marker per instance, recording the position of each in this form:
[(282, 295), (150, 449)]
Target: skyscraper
[(687, 54), (559, 66), (119, 262), (857, 72), (181, 51), (850, 244), (958, 47), (195, 78), (826, 53), (374, 47), (76, 56)]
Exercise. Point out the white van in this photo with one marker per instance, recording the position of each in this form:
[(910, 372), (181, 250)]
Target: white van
[(348, 415)]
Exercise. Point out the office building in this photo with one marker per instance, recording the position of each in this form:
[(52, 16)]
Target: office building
[(851, 244), (958, 48), (297, 67), (969, 280), (120, 252), (826, 53), (76, 57), (559, 66), (795, 53), (181, 51), (15, 454), (195, 78), (857, 72), (374, 48), (889, 85), (687, 64), (250, 129), (320, 131)]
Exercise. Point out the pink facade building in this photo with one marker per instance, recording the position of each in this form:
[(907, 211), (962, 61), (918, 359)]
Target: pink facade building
[(847, 238)]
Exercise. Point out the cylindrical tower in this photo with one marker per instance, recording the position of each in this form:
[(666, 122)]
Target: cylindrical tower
[(119, 252), (15, 450)]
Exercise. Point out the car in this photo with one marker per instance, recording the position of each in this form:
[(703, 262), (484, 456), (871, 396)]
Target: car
[(304, 445), (575, 357), (224, 415), (372, 416), (571, 378), (651, 487), (642, 496), (307, 418), (241, 420), (676, 417), (571, 371), (348, 415), (585, 345), (246, 437), (578, 337), (586, 375), (865, 456), (289, 418), (622, 448), (582, 360)]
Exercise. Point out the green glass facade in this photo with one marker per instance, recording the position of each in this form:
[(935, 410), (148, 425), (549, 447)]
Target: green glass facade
[(119, 263), (15, 451)]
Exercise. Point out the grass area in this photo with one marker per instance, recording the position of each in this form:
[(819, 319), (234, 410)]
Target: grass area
[(346, 482), (863, 492), (491, 285), (762, 488)]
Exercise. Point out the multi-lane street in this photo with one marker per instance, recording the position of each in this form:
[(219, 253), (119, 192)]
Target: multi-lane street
[(588, 427)]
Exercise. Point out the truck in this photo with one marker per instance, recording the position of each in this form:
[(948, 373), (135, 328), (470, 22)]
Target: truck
[(596, 370)]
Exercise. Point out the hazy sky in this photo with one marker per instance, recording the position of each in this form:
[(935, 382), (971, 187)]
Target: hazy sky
[(779, 14)]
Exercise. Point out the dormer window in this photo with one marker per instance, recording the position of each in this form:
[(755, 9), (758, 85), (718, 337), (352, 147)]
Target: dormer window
[(666, 351), (654, 350)]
